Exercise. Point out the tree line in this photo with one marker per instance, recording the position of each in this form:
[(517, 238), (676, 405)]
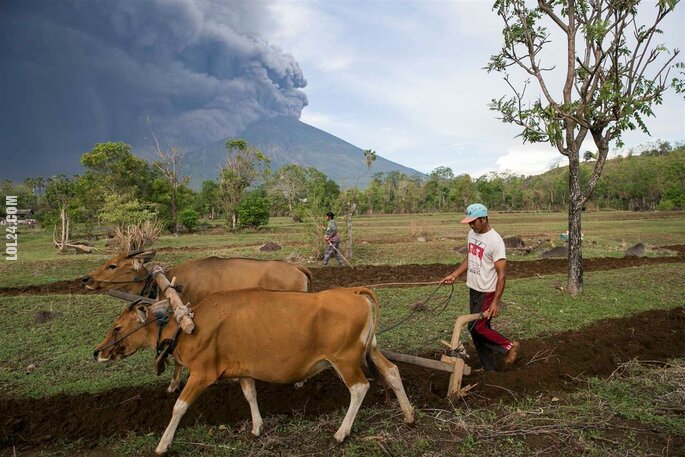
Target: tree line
[(118, 188)]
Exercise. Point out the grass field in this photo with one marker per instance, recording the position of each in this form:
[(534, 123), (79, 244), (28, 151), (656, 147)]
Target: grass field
[(378, 240), (635, 412)]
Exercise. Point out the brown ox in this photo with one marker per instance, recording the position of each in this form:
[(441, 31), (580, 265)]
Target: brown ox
[(202, 277), (198, 279), (279, 337)]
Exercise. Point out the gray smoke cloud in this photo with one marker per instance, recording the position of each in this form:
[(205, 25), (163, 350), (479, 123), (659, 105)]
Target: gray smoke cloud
[(77, 72)]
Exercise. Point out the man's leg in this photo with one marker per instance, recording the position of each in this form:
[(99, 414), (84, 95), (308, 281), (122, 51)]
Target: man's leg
[(328, 250), (483, 348)]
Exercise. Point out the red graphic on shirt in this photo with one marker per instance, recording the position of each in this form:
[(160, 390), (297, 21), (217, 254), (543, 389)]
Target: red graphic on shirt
[(476, 250)]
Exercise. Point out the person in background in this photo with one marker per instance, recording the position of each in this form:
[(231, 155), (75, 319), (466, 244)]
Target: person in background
[(485, 266), (332, 241)]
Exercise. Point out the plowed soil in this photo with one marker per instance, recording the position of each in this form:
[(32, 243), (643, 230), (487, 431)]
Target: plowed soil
[(549, 366), (327, 278)]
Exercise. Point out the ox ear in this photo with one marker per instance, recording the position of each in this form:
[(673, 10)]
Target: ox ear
[(142, 258), (141, 313)]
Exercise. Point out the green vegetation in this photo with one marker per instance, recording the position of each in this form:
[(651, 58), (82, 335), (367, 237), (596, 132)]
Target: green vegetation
[(653, 180), (189, 218), (253, 210)]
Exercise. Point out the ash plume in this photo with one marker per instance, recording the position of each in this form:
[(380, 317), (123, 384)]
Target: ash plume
[(77, 72)]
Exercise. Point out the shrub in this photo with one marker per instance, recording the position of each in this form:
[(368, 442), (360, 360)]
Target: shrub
[(124, 209), (666, 205), (189, 218), (253, 210)]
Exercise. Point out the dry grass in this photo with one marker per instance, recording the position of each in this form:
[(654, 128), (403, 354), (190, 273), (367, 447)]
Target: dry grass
[(136, 237)]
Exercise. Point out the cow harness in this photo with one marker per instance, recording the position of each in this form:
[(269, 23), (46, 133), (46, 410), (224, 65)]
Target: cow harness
[(165, 347)]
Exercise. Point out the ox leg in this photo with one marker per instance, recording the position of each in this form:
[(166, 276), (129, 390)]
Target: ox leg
[(193, 388), (250, 393), (391, 375), (176, 379), (356, 382)]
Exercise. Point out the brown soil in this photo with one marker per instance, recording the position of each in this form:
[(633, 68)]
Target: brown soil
[(326, 278), (549, 366)]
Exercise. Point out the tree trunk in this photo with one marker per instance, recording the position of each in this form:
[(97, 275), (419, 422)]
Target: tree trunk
[(234, 219), (575, 206), (64, 238), (174, 216), (348, 251)]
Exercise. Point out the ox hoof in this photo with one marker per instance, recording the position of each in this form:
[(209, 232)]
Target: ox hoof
[(172, 388), (339, 438), (411, 418)]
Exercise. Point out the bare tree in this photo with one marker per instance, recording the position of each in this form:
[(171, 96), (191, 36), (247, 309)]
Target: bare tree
[(169, 163), (369, 159)]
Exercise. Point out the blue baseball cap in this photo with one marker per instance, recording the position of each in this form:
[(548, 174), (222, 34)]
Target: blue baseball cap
[(473, 212)]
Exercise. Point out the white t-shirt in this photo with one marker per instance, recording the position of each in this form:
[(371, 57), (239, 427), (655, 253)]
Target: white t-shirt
[(484, 250)]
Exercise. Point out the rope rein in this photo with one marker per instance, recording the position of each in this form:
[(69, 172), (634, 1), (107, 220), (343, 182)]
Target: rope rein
[(387, 284), (139, 279), (416, 309), (158, 319)]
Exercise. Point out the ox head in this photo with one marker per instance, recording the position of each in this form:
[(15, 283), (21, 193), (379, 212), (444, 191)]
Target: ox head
[(123, 272), (128, 334)]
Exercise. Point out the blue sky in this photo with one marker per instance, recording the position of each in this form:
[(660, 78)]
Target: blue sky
[(405, 78)]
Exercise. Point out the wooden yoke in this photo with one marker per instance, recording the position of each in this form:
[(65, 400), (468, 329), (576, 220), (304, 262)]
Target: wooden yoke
[(182, 313)]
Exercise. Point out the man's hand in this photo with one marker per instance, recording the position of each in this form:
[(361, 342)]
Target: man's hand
[(449, 279), (493, 311)]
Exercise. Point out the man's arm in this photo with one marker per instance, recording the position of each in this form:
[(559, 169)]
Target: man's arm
[(450, 278), (501, 269)]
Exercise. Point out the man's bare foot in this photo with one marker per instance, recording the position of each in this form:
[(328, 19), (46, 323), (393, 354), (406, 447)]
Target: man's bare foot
[(513, 353)]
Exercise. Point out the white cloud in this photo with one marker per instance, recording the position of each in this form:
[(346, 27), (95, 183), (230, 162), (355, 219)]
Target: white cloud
[(529, 159), (315, 38)]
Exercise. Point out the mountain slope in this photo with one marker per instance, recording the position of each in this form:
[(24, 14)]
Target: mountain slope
[(287, 140)]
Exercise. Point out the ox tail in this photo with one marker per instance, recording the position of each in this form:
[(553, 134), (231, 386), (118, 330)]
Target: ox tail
[(371, 338), (373, 299), (308, 274)]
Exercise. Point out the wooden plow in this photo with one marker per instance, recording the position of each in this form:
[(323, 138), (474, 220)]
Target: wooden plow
[(452, 362)]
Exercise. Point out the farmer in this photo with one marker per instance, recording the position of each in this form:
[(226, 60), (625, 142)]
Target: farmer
[(332, 241), (485, 264)]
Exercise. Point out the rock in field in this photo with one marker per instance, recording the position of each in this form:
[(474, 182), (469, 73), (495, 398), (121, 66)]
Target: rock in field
[(559, 251), (636, 251)]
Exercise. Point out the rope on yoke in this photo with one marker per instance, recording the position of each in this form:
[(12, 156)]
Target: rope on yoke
[(416, 309)]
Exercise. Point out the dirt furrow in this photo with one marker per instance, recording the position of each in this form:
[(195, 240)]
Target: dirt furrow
[(596, 350)]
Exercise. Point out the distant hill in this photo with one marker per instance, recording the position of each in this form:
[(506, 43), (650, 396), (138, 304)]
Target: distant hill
[(286, 140)]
